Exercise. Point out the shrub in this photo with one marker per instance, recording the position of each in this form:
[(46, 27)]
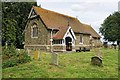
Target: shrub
[(9, 63), (12, 57), (9, 51), (23, 57)]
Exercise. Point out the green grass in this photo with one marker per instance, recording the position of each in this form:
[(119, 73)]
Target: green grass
[(0, 61), (71, 65)]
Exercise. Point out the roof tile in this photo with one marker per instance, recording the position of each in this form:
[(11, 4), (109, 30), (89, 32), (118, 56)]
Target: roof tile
[(55, 20)]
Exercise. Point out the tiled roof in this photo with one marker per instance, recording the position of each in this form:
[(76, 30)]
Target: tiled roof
[(90, 30), (55, 20), (60, 34)]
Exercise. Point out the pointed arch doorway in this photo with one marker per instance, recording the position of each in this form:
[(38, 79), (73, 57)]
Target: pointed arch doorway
[(68, 42)]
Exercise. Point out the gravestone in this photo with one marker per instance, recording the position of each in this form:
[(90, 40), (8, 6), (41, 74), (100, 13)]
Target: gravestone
[(54, 58), (98, 52), (114, 46), (36, 55), (105, 44), (96, 61), (28, 52)]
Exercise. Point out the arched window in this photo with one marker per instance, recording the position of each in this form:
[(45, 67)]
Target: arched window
[(34, 32)]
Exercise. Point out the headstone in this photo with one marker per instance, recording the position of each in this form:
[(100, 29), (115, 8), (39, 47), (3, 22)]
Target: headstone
[(54, 58), (28, 52), (105, 44), (98, 52), (36, 55), (96, 61)]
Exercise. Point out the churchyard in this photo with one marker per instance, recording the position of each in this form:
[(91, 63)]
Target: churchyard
[(70, 65)]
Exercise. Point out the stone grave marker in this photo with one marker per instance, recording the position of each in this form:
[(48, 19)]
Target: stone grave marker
[(98, 52), (54, 58), (36, 55), (96, 61), (28, 52)]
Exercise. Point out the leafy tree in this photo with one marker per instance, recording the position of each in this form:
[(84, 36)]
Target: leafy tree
[(15, 14), (110, 28), (9, 30)]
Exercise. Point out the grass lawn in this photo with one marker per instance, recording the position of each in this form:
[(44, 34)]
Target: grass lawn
[(71, 65), (0, 62)]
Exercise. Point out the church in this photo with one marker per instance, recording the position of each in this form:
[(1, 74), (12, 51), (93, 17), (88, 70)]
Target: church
[(51, 31)]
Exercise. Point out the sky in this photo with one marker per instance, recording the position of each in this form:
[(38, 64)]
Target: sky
[(92, 12)]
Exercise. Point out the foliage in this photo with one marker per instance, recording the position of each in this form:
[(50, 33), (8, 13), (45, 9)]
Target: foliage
[(12, 57), (71, 65), (9, 63), (9, 52), (9, 30), (110, 27), (23, 57), (14, 18)]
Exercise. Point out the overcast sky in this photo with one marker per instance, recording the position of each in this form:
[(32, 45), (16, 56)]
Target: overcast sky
[(92, 12)]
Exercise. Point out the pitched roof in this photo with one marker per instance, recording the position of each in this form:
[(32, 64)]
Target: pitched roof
[(60, 34), (55, 20), (89, 29)]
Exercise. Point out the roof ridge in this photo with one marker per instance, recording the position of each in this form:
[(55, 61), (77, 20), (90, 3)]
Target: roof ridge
[(56, 12), (54, 19)]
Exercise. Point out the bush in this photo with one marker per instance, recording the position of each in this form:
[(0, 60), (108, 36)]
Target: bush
[(9, 51), (12, 57), (9, 63), (23, 57)]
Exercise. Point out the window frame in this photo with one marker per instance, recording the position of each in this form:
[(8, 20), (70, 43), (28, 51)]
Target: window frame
[(32, 31), (57, 41), (81, 38)]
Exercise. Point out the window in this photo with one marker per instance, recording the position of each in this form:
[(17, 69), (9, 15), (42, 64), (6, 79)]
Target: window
[(81, 40), (34, 31), (57, 41)]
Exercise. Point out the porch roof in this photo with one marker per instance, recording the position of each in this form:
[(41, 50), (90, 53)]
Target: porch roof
[(60, 34)]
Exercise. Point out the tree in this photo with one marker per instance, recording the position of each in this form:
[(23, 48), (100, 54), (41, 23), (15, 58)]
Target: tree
[(15, 14), (110, 28), (9, 30)]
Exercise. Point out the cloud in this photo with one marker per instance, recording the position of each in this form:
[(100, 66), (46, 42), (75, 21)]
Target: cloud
[(76, 7), (119, 6), (94, 6)]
